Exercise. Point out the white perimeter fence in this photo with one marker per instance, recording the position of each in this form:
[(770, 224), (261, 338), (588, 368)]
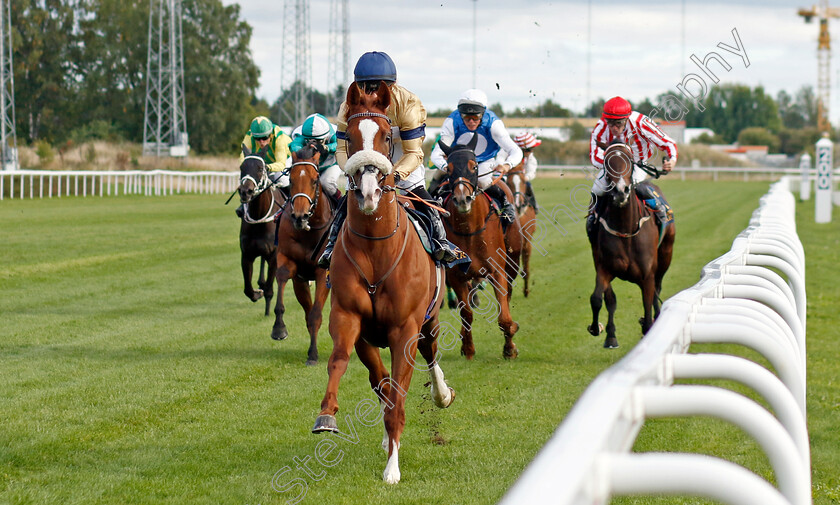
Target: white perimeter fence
[(46, 184), (740, 299)]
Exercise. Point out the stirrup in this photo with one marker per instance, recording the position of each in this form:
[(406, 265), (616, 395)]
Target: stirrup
[(508, 214), (443, 252), (326, 256)]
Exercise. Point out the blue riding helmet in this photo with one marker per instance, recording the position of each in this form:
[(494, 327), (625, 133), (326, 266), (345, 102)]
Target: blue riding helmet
[(375, 66)]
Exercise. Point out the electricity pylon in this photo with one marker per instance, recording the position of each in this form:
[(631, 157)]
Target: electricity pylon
[(823, 12), (165, 123), (8, 136), (295, 69), (338, 64)]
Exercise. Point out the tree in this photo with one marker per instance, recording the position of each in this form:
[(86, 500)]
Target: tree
[(220, 78), (44, 45), (730, 108), (111, 64), (595, 108), (757, 136)]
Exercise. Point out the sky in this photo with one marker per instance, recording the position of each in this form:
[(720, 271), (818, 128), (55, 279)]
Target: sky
[(528, 51)]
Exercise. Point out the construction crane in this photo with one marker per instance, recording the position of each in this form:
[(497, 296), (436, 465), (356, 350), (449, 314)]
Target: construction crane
[(823, 12)]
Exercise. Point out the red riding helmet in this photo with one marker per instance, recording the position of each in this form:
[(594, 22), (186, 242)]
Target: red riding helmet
[(616, 108)]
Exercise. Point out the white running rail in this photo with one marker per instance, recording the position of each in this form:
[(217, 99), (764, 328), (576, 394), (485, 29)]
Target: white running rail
[(46, 184), (740, 299)]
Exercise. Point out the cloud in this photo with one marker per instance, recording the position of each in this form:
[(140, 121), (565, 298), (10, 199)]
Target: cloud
[(536, 50)]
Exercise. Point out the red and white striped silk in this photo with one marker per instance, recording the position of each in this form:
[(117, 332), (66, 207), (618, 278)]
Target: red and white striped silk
[(640, 133)]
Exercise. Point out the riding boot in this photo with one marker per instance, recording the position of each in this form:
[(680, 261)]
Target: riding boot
[(658, 204), (338, 221), (529, 193), (508, 213), (444, 250), (594, 211), (335, 198), (434, 185)]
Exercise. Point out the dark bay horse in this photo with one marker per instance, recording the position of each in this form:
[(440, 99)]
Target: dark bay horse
[(386, 288), (303, 221), (476, 229), (625, 244), (261, 203), (527, 218)]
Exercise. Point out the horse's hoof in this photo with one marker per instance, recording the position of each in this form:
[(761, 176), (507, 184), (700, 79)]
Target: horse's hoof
[(611, 343), (467, 353), (451, 398), (595, 332), (258, 294), (325, 423), (511, 353), (279, 333), (311, 362), (526, 292)]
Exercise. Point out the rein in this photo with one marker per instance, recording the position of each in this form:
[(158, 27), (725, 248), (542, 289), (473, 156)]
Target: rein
[(620, 234), (265, 219), (373, 286), (474, 233), (367, 237)]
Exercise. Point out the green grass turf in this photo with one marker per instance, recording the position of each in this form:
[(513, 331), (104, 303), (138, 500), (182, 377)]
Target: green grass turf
[(134, 370)]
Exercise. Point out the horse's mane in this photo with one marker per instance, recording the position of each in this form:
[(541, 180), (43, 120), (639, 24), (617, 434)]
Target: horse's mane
[(306, 152)]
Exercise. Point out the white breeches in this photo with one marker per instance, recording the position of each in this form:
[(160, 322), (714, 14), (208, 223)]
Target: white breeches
[(329, 179)]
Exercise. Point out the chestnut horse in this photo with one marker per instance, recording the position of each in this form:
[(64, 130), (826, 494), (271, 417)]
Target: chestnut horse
[(303, 221), (515, 180), (386, 287), (476, 229), (625, 244), (262, 201)]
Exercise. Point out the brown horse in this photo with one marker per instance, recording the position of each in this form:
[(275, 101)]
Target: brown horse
[(527, 218), (476, 229), (262, 201), (303, 221), (386, 287), (625, 244)]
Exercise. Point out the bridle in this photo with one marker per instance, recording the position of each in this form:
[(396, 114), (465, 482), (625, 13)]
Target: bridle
[(470, 182), (259, 186), (313, 202), (369, 114), (264, 182)]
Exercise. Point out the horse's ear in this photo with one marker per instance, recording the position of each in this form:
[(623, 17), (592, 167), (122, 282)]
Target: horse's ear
[(445, 148), (262, 152), (353, 94), (383, 96), (245, 150), (473, 142)]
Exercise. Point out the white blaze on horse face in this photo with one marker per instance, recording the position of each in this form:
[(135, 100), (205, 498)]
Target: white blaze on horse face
[(368, 129), (371, 193), (302, 172)]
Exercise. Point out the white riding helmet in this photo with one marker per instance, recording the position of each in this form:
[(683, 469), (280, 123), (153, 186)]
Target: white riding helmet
[(318, 127), (472, 101)]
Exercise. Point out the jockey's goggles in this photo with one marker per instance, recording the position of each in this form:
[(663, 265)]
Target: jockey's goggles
[(261, 138), (472, 117)]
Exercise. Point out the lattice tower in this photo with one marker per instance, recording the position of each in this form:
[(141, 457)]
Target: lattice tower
[(823, 12), (165, 123), (8, 136), (338, 63), (296, 72)]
